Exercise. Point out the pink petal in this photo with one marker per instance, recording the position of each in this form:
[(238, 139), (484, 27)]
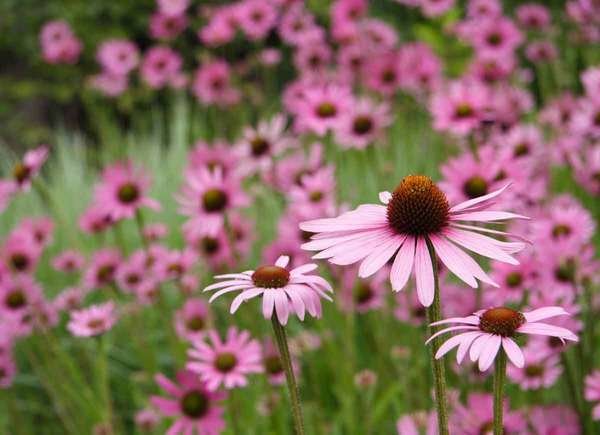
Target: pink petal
[(281, 306), (356, 246), (268, 303), (303, 269), (243, 297), (480, 244), (477, 346), (319, 243), (448, 255), (449, 344), (229, 290), (472, 202), (486, 216), (513, 352), (470, 320), (282, 261), (379, 257), (403, 264), (224, 284), (297, 302), (167, 385), (450, 329), (547, 330), (544, 313), (424, 273), (489, 352), (468, 338)]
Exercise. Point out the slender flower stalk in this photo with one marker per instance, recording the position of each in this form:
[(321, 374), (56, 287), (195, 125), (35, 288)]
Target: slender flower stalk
[(439, 375), (499, 377), (284, 352)]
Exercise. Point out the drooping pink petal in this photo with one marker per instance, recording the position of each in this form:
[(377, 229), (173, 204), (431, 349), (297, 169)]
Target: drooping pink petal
[(243, 297), (468, 338), (486, 216), (447, 254), (480, 244), (282, 261), (223, 284), (167, 385), (297, 303), (538, 328), (379, 257), (281, 306), (450, 329), (480, 199), (477, 346), (403, 264), (268, 303), (513, 351), (544, 313), (229, 290), (448, 345), (305, 268), (424, 273), (470, 320), (489, 352)]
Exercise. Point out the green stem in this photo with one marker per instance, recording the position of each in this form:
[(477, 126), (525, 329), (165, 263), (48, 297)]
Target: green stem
[(139, 220), (233, 412), (499, 377), (284, 353), (104, 381), (439, 371)]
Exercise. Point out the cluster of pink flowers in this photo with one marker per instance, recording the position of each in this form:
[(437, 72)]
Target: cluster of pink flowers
[(59, 43)]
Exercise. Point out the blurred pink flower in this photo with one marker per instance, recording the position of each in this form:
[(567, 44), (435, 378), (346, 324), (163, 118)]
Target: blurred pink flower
[(212, 84), (92, 321), (118, 56), (192, 321)]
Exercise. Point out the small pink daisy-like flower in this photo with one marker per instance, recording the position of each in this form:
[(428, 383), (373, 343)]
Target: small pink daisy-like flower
[(131, 274), (539, 370), (160, 66), (102, 269), (225, 362), (211, 156), (20, 253), (476, 417), (213, 246), (28, 168), (92, 321), (315, 194), (163, 26), (460, 107), (68, 261), (39, 229), (260, 145), (363, 295), (586, 169), (172, 7), (118, 56), (212, 84), (541, 51), (59, 43), (533, 16), (322, 108), (192, 320), (123, 190), (95, 219), (282, 291), (18, 294), (592, 392), (174, 264), (363, 124), (256, 18), (496, 35), (156, 231), (417, 423), (415, 215), (591, 82), (146, 420), (69, 299), (486, 330), (207, 195), (554, 420), (108, 84), (383, 73), (194, 408), (273, 365)]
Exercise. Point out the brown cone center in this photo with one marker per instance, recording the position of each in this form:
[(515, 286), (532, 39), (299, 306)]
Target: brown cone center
[(271, 277), (501, 321)]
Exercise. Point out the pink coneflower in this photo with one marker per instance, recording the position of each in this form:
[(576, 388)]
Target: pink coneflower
[(59, 43), (259, 146), (123, 191), (538, 371), (315, 195), (586, 169), (20, 252), (92, 321), (211, 156), (192, 321), (541, 51), (496, 35), (206, 197), (18, 294), (283, 292), (296, 25), (214, 247), (163, 26), (417, 423), (592, 392), (484, 8), (322, 108), (435, 8), (285, 245), (212, 84), (273, 364), (69, 299), (68, 261), (312, 60), (160, 66), (174, 264), (586, 120), (533, 16), (225, 362), (95, 219), (191, 404), (460, 107), (256, 18), (383, 74), (172, 7), (590, 79), (102, 268), (485, 331), (146, 420), (131, 274), (409, 309), (363, 124), (28, 168), (221, 28), (421, 68), (108, 84), (363, 295), (118, 56), (415, 215), (514, 280), (155, 232), (290, 170), (476, 417), (554, 420), (39, 229)]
